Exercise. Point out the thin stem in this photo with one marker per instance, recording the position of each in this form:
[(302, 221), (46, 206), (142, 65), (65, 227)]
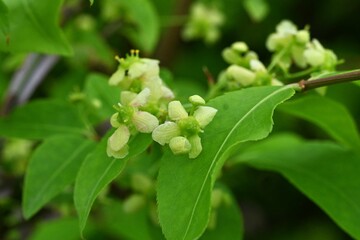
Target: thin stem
[(325, 81), (301, 73)]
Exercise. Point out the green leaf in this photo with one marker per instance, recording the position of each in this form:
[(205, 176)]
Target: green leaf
[(57, 229), (228, 222), (4, 19), (323, 171), (98, 89), (184, 185), (52, 167), (125, 225), (98, 170), (328, 114), (42, 118), (91, 2), (257, 9), (34, 28), (147, 31)]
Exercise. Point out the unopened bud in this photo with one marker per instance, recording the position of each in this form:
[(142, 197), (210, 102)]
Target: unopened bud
[(196, 100), (179, 145), (240, 47), (134, 203)]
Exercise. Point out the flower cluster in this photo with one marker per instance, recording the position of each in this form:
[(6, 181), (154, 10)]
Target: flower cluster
[(182, 130), (293, 45), (145, 103), (204, 23), (245, 69)]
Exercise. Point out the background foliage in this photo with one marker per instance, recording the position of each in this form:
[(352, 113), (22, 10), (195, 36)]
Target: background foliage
[(55, 61)]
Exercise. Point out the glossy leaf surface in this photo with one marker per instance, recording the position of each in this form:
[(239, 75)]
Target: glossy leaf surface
[(323, 171), (40, 119), (242, 116), (38, 23), (98, 170), (328, 114), (52, 167)]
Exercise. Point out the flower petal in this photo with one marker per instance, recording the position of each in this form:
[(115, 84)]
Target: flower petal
[(204, 115), (117, 154), (196, 146), (117, 77), (165, 132), (141, 99), (113, 120), (176, 111), (144, 122), (119, 138)]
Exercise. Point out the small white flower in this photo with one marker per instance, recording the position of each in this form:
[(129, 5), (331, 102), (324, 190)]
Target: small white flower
[(204, 115), (176, 111)]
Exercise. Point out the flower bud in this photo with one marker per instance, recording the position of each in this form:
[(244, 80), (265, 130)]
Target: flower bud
[(216, 198), (241, 75), (257, 66), (165, 132), (144, 122), (240, 47), (230, 56), (314, 57), (204, 115), (302, 36), (176, 111), (179, 145), (196, 100), (196, 147), (134, 203), (142, 183)]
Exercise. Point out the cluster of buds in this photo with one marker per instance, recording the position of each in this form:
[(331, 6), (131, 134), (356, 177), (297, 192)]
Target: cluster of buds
[(204, 23), (245, 69), (145, 105), (294, 46), (182, 129)]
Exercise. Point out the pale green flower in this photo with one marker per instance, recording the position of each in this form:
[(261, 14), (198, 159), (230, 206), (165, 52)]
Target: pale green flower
[(181, 133)]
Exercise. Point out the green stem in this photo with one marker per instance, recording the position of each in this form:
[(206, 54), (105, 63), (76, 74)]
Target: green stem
[(326, 81), (301, 73)]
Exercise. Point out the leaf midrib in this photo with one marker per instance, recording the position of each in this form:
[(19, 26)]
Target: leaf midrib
[(221, 148)]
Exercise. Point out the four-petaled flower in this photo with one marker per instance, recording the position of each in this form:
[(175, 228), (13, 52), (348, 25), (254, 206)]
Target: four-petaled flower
[(129, 119), (182, 131)]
